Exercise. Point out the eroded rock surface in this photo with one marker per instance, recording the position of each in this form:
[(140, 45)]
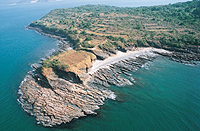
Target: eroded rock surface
[(59, 101), (54, 100), (112, 74), (56, 96), (182, 57)]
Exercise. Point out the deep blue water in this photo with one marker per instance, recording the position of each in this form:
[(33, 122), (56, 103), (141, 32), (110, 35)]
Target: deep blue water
[(164, 97)]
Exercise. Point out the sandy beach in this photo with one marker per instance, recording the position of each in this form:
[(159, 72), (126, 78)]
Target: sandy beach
[(121, 56)]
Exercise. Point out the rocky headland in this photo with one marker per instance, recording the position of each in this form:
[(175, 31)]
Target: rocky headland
[(99, 46), (72, 84), (56, 95)]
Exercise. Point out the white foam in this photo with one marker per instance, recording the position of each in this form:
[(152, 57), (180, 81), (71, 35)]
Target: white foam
[(112, 96)]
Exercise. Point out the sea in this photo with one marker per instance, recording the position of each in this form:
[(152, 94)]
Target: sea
[(165, 95)]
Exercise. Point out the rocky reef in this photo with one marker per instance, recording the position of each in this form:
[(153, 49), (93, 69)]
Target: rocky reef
[(55, 96), (182, 57), (56, 100), (112, 75)]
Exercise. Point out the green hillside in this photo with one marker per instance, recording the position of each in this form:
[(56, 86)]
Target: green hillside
[(100, 27)]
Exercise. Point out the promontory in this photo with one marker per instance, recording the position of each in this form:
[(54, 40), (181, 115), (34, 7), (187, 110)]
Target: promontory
[(66, 87)]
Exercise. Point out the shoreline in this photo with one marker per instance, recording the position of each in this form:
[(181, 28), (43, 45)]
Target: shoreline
[(69, 86), (182, 57), (63, 45), (98, 64), (48, 104), (56, 101)]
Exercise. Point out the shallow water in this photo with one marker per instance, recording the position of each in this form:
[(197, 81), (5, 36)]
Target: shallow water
[(164, 97)]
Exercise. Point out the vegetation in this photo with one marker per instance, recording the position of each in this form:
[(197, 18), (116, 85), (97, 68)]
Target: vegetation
[(55, 63), (108, 47), (110, 28), (69, 61), (86, 45)]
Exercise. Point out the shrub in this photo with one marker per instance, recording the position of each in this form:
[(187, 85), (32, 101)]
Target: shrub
[(140, 42), (107, 46), (88, 39), (86, 45), (55, 63)]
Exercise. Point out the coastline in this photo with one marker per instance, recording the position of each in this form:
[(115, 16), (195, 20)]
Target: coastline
[(82, 98), (63, 45), (46, 98), (165, 94), (125, 55)]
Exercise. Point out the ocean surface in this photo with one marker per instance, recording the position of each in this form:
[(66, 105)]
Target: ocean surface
[(165, 95)]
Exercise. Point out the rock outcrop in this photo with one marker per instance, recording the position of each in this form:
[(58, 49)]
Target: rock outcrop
[(55, 99), (62, 89), (112, 74), (182, 57)]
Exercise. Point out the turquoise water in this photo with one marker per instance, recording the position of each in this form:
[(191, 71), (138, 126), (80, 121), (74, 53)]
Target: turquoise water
[(164, 97)]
